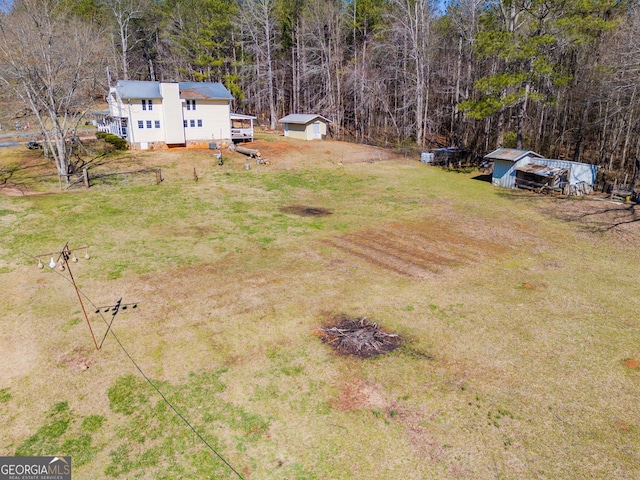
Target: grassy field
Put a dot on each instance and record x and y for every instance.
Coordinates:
(518, 316)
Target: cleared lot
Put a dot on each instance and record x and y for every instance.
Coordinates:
(519, 323)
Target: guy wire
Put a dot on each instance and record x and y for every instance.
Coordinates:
(150, 382)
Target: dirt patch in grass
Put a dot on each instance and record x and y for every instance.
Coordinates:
(632, 364)
(76, 359)
(422, 440)
(306, 211)
(15, 191)
(359, 337)
(290, 153)
(356, 394)
(417, 249)
(274, 149)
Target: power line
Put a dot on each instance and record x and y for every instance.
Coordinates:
(135, 364)
(172, 407)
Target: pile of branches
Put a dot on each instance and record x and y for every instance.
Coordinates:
(358, 337)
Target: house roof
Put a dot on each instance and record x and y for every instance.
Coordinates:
(204, 91)
(511, 154)
(302, 118)
(138, 89)
(188, 90)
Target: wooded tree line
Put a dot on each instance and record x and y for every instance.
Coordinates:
(556, 76)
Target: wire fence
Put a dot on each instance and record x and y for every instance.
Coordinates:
(87, 177)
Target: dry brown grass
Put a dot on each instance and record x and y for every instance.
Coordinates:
(494, 379)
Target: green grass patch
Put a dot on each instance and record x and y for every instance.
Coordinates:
(48, 437)
(5, 395)
(92, 423)
(160, 433)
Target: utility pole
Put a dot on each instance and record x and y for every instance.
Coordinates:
(114, 309)
(62, 263)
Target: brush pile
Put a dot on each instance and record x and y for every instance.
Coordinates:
(358, 337)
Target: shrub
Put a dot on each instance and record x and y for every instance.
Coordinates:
(116, 141)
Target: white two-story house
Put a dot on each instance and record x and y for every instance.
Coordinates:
(158, 114)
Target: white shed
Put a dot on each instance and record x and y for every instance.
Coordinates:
(305, 126)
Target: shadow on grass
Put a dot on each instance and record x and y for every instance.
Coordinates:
(592, 213)
(483, 177)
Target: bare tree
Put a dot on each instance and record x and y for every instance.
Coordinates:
(324, 31)
(260, 27)
(124, 12)
(410, 31)
(49, 60)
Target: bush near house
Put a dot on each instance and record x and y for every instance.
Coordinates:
(116, 141)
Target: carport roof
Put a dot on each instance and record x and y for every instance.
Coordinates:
(541, 170)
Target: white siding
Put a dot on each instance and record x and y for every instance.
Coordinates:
(215, 117)
(305, 132)
(136, 114)
(172, 128)
(115, 106)
(578, 172)
(296, 131)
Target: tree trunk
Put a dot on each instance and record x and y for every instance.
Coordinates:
(521, 117)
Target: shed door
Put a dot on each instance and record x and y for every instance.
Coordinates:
(316, 130)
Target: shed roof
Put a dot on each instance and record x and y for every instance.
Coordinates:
(189, 90)
(511, 154)
(541, 170)
(302, 118)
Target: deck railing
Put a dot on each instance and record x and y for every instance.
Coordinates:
(242, 133)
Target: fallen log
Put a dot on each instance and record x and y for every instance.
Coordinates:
(248, 151)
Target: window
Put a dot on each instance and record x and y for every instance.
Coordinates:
(200, 122)
(184, 122)
(144, 104)
(157, 123)
(150, 103)
(148, 123)
(140, 124)
(192, 123)
(191, 104)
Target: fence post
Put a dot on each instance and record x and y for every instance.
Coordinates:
(159, 176)
(85, 177)
(613, 189)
